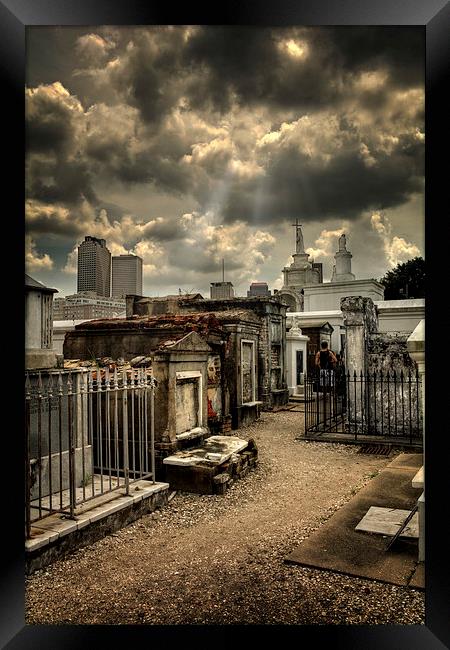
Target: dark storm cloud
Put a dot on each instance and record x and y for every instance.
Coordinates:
(150, 71)
(147, 167)
(163, 230)
(401, 49)
(248, 64)
(51, 115)
(60, 181)
(343, 188)
(183, 111)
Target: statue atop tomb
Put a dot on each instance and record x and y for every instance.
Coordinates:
(299, 244)
(342, 270)
(342, 243)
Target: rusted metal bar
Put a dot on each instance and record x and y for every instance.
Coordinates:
(60, 397)
(375, 401)
(116, 425)
(39, 445)
(410, 407)
(418, 388)
(133, 438)
(395, 402)
(126, 468)
(108, 425)
(49, 397)
(388, 381)
(98, 392)
(152, 426)
(145, 390)
(81, 431)
(27, 457)
(91, 424)
(72, 494)
(140, 427)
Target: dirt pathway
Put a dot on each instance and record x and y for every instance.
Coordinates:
(219, 559)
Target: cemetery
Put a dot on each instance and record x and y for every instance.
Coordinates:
(174, 399)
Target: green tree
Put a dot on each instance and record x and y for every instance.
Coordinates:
(406, 280)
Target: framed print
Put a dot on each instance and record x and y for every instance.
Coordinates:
(168, 153)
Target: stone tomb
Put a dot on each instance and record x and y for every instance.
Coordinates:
(181, 405)
(212, 467)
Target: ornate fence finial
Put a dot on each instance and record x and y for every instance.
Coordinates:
(60, 383)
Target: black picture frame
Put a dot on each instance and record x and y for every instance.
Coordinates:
(433, 15)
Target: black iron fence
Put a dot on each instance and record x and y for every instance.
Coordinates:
(382, 405)
(88, 432)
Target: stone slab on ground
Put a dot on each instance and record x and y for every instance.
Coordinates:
(418, 480)
(214, 451)
(337, 546)
(387, 521)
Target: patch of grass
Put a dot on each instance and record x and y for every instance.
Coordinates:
(86, 480)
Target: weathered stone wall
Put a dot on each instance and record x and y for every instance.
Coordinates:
(272, 384)
(90, 344)
(360, 320)
(387, 351)
(387, 396)
(394, 396)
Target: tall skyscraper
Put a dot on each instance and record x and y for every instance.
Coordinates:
(126, 275)
(94, 267)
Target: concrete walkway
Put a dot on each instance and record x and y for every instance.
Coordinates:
(336, 546)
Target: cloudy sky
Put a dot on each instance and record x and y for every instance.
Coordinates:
(186, 145)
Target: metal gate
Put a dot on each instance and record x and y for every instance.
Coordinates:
(87, 433)
(361, 407)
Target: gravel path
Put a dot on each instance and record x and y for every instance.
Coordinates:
(219, 559)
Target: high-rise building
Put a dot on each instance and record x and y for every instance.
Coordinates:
(126, 275)
(258, 289)
(94, 267)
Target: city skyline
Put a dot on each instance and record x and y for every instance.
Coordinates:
(189, 145)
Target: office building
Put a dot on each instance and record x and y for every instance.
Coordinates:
(86, 305)
(258, 289)
(94, 267)
(126, 275)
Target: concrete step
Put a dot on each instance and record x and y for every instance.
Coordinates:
(301, 398)
(55, 537)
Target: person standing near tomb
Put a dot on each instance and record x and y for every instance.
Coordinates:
(326, 361)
